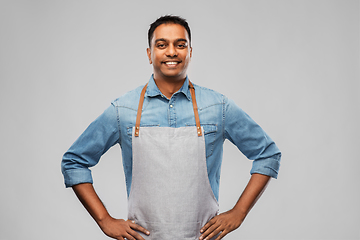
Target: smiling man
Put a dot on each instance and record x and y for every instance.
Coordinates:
(171, 134)
(169, 53)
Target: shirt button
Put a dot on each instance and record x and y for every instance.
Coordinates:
(171, 105)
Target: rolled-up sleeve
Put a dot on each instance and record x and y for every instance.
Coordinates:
(86, 151)
(251, 140)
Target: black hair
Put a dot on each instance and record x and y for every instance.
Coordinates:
(168, 19)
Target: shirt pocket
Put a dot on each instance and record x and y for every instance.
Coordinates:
(210, 131)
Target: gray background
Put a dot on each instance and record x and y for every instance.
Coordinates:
(292, 65)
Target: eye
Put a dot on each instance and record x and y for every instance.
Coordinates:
(182, 45)
(160, 45)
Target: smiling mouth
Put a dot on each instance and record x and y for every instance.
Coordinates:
(171, 64)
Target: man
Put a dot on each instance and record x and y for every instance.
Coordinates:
(171, 134)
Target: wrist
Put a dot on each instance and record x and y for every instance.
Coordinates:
(239, 212)
(101, 221)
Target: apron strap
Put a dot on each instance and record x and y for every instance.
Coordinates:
(196, 112)
(193, 98)
(138, 116)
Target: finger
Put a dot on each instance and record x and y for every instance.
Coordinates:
(139, 228)
(208, 231)
(129, 237)
(221, 235)
(135, 235)
(213, 233)
(207, 225)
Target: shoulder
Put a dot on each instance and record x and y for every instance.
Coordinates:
(207, 97)
(129, 100)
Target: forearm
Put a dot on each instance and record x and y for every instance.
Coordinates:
(251, 194)
(226, 222)
(114, 228)
(91, 201)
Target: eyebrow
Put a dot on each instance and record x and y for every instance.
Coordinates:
(164, 40)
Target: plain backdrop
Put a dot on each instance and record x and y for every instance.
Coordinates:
(292, 65)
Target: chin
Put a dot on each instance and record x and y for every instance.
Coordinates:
(176, 77)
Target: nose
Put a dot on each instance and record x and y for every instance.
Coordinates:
(171, 51)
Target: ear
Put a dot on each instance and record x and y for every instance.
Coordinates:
(190, 52)
(148, 51)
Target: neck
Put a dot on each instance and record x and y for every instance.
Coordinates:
(168, 88)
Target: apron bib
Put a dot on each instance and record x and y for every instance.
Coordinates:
(170, 192)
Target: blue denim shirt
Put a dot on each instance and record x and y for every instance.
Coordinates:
(220, 118)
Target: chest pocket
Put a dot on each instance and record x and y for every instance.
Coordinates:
(210, 137)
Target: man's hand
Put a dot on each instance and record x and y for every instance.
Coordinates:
(223, 223)
(121, 229)
(232, 219)
(114, 228)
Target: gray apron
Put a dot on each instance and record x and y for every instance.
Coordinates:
(170, 192)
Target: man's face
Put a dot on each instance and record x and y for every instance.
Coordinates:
(170, 52)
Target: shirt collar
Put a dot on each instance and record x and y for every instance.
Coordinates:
(152, 89)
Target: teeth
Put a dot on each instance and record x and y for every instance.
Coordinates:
(171, 63)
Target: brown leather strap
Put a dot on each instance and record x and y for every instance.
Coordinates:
(193, 98)
(138, 116)
(196, 112)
